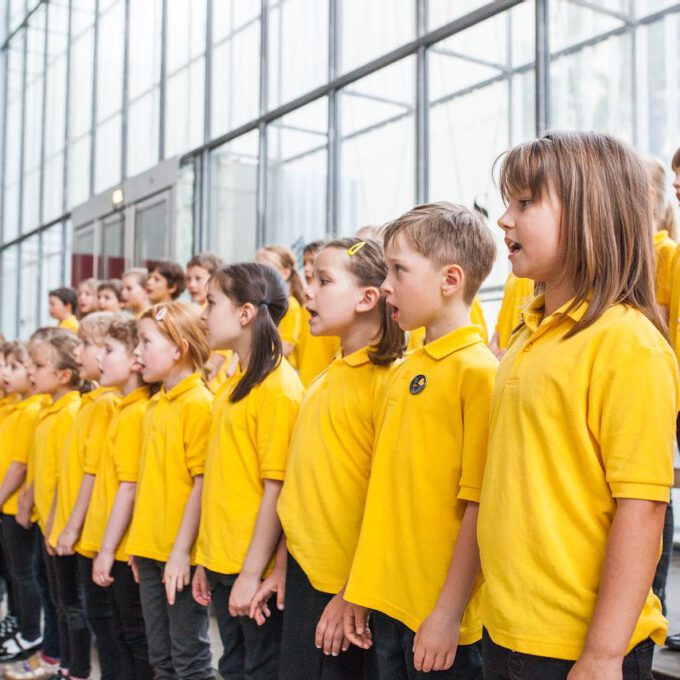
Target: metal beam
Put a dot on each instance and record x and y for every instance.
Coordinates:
(422, 117)
(124, 102)
(333, 153)
(261, 197)
(162, 88)
(95, 79)
(542, 67)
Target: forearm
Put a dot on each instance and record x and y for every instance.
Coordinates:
(188, 529)
(14, 478)
(77, 517)
(121, 515)
(630, 561)
(267, 531)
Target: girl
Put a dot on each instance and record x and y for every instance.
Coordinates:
(113, 496)
(133, 291)
(252, 422)
(63, 304)
(199, 269)
(110, 296)
(20, 546)
(87, 297)
(55, 372)
(322, 501)
(173, 349)
(582, 422)
(282, 259)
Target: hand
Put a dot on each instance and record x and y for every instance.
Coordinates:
(355, 623)
(199, 587)
(101, 568)
(330, 631)
(592, 667)
(66, 541)
(132, 563)
(436, 642)
(177, 574)
(50, 550)
(23, 516)
(274, 583)
(242, 593)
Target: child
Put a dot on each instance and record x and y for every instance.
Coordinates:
(282, 259)
(77, 466)
(580, 457)
(173, 349)
(199, 269)
(517, 294)
(313, 353)
(55, 371)
(133, 291)
(110, 296)
(113, 496)
(165, 282)
(416, 563)
(323, 497)
(253, 418)
(87, 297)
(63, 303)
(20, 546)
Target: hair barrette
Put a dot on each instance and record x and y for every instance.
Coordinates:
(160, 314)
(352, 250)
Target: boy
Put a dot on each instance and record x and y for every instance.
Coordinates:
(109, 296)
(133, 291)
(63, 303)
(417, 563)
(199, 269)
(166, 281)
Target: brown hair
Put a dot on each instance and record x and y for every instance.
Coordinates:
(662, 208)
(62, 345)
(314, 247)
(367, 265)
(675, 163)
(263, 287)
(95, 326)
(139, 273)
(123, 328)
(209, 261)
(178, 321)
(67, 296)
(286, 259)
(113, 285)
(172, 273)
(447, 233)
(17, 349)
(606, 216)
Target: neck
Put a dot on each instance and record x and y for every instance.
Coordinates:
(456, 315)
(131, 384)
(179, 373)
(363, 332)
(556, 295)
(242, 349)
(62, 391)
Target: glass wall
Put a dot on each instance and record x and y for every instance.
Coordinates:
(294, 119)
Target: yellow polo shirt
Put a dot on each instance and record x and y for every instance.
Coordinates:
(222, 374)
(289, 326)
(674, 306)
(664, 249)
(174, 453)
(322, 501)
(575, 424)
(119, 463)
(54, 428)
(313, 353)
(249, 443)
(428, 463)
(17, 432)
(81, 452)
(70, 323)
(517, 294)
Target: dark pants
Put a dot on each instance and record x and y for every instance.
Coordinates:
(177, 634)
(300, 659)
(21, 551)
(6, 581)
(74, 634)
(51, 630)
(250, 652)
(99, 614)
(502, 664)
(393, 642)
(129, 624)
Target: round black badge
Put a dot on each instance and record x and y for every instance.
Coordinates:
(417, 384)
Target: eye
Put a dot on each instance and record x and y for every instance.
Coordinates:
(524, 202)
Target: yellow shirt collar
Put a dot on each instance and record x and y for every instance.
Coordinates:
(42, 399)
(63, 402)
(357, 358)
(96, 393)
(458, 339)
(136, 394)
(191, 381)
(533, 314)
(660, 236)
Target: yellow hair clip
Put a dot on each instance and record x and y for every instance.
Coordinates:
(352, 250)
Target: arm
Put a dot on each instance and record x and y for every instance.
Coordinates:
(14, 478)
(177, 572)
(119, 520)
(26, 498)
(48, 526)
(71, 532)
(437, 638)
(274, 583)
(629, 564)
(262, 545)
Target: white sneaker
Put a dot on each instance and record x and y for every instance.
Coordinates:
(16, 646)
(33, 668)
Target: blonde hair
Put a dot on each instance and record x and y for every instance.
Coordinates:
(95, 326)
(447, 233)
(61, 344)
(606, 218)
(286, 260)
(179, 322)
(662, 208)
(138, 273)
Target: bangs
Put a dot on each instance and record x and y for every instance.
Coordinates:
(526, 167)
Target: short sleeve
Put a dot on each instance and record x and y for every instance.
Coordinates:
(197, 418)
(96, 433)
(128, 447)
(289, 326)
(476, 403)
(664, 259)
(23, 435)
(634, 409)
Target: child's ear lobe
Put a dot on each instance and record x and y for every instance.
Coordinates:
(453, 279)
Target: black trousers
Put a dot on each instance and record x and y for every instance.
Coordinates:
(300, 659)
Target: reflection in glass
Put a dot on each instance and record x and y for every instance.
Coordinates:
(112, 259)
(151, 231)
(52, 266)
(8, 313)
(28, 289)
(82, 258)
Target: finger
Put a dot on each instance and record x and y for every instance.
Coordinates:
(280, 598)
(448, 661)
(426, 665)
(345, 643)
(418, 656)
(338, 637)
(187, 578)
(320, 632)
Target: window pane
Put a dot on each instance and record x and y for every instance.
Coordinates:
(53, 259)
(297, 153)
(186, 32)
(110, 56)
(184, 213)
(184, 109)
(81, 69)
(377, 147)
(151, 231)
(142, 144)
(82, 259)
(107, 156)
(233, 198)
(28, 291)
(79, 171)
(571, 23)
(440, 12)
(296, 63)
(112, 262)
(9, 291)
(145, 46)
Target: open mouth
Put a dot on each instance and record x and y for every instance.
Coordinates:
(513, 246)
(312, 313)
(394, 311)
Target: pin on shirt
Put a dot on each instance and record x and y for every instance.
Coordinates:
(417, 384)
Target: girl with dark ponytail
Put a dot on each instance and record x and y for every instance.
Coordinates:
(330, 457)
(253, 418)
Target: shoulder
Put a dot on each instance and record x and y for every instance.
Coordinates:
(283, 380)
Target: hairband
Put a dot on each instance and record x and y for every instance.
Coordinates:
(160, 314)
(352, 250)
(263, 302)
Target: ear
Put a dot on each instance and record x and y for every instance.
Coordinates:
(172, 290)
(453, 280)
(181, 350)
(286, 272)
(247, 314)
(369, 299)
(65, 376)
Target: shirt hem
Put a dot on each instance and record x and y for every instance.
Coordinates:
(641, 492)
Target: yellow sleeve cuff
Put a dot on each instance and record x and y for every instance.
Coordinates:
(196, 471)
(468, 493)
(642, 492)
(278, 475)
(127, 477)
(90, 470)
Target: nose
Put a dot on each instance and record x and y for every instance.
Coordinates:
(386, 286)
(505, 221)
